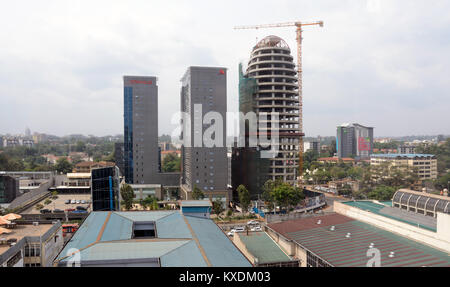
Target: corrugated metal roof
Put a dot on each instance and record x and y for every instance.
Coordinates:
(174, 244)
(172, 226)
(117, 228)
(187, 203)
(187, 255)
(335, 248)
(145, 215)
(127, 250)
(261, 246)
(412, 218)
(407, 155)
(87, 233)
(220, 251)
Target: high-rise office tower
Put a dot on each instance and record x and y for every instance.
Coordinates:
(118, 156)
(141, 150)
(354, 140)
(140, 129)
(203, 91)
(269, 85)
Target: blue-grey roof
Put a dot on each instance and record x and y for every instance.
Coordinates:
(181, 240)
(220, 251)
(408, 155)
(196, 203)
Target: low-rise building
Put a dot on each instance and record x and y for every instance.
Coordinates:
(150, 239)
(424, 165)
(87, 166)
(336, 240)
(336, 160)
(337, 185)
(262, 251)
(31, 245)
(410, 149)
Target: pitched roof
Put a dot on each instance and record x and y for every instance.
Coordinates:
(181, 240)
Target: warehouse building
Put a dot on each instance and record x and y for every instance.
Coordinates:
(150, 239)
(336, 240)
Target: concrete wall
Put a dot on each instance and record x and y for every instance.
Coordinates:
(288, 245)
(439, 239)
(239, 244)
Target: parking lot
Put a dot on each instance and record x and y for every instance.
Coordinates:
(59, 203)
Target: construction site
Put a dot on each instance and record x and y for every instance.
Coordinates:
(272, 83)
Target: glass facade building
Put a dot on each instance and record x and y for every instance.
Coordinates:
(128, 134)
(105, 188)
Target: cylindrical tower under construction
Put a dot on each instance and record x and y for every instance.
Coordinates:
(276, 90)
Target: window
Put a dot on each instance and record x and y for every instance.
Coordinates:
(144, 229)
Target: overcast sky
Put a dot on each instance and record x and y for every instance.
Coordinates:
(380, 63)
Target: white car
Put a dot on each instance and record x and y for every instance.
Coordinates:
(239, 229)
(252, 222)
(256, 228)
(231, 233)
(72, 201)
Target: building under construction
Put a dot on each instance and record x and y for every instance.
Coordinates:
(270, 85)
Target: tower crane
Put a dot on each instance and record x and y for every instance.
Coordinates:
(298, 31)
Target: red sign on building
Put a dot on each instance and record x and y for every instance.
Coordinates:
(363, 144)
(141, 82)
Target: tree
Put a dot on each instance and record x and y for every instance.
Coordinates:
(54, 194)
(217, 206)
(244, 197)
(63, 165)
(197, 194)
(127, 194)
(282, 194)
(171, 163)
(382, 192)
(150, 201)
(267, 194)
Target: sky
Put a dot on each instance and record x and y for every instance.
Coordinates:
(380, 63)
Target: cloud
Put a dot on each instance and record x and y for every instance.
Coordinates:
(380, 63)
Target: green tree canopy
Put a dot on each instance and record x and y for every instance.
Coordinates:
(217, 206)
(244, 197)
(197, 194)
(63, 165)
(127, 194)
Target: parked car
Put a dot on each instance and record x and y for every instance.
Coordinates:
(67, 201)
(45, 211)
(79, 211)
(252, 222)
(256, 228)
(231, 233)
(72, 201)
(70, 209)
(58, 211)
(77, 202)
(239, 229)
(81, 208)
(83, 201)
